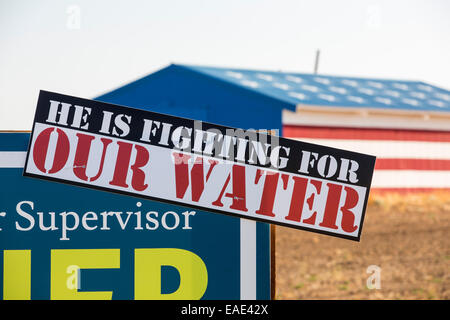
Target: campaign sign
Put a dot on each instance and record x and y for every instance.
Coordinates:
(201, 165)
(59, 241)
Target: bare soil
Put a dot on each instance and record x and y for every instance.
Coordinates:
(407, 237)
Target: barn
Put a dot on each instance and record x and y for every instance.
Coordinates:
(406, 124)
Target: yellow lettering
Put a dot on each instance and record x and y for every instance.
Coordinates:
(17, 274)
(147, 277)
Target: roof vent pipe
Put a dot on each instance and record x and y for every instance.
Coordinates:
(316, 63)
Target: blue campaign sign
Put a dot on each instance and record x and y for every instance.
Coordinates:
(60, 241)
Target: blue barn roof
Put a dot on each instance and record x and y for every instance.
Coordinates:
(323, 90)
(254, 99)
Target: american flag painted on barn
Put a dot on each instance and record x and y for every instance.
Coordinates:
(407, 160)
(406, 124)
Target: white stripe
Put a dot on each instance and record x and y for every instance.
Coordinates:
(389, 149)
(248, 259)
(411, 179)
(12, 159)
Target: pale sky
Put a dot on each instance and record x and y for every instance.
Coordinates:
(89, 47)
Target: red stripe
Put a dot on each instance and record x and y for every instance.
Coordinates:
(375, 191)
(411, 164)
(291, 131)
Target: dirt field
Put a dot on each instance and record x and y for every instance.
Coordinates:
(408, 237)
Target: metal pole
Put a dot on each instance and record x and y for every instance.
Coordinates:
(316, 64)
